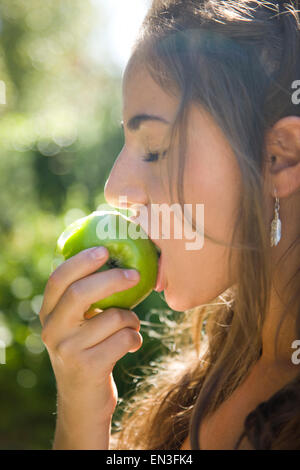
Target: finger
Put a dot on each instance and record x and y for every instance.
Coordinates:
(99, 328)
(105, 354)
(74, 268)
(70, 309)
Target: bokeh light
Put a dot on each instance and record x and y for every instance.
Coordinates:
(26, 378)
(21, 287)
(25, 310)
(36, 303)
(34, 344)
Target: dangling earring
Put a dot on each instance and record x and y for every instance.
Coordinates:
(276, 223)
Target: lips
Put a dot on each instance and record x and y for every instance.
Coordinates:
(157, 249)
(159, 281)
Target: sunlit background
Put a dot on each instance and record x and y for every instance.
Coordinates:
(123, 19)
(61, 65)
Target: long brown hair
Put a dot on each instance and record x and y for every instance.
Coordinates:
(237, 59)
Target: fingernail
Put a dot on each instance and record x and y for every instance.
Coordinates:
(131, 274)
(99, 252)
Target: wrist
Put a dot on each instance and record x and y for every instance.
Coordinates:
(77, 431)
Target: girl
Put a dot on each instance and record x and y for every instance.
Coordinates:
(211, 116)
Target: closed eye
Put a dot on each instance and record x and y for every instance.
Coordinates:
(153, 156)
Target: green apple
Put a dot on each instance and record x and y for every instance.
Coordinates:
(128, 246)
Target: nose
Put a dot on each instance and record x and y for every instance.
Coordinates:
(125, 198)
(124, 189)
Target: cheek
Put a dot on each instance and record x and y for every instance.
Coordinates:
(212, 178)
(195, 277)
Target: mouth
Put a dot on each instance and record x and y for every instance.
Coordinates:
(158, 250)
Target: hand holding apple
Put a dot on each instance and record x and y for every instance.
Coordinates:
(83, 351)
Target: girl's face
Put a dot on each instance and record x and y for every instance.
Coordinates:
(211, 178)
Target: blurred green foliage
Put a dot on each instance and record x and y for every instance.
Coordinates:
(59, 137)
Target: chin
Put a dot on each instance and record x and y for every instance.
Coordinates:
(179, 304)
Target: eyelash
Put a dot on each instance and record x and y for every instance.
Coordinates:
(153, 156)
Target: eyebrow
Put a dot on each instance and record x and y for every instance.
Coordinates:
(134, 123)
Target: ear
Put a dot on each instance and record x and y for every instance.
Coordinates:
(282, 146)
